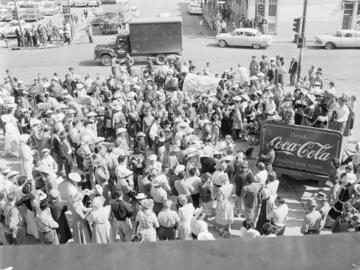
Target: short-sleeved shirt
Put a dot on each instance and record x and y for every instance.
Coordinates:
(168, 218)
(147, 219)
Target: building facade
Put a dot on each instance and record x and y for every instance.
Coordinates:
(324, 16)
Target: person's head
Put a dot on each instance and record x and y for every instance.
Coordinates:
(167, 204)
(121, 159)
(248, 224)
(261, 166)
(311, 204)
(192, 171)
(331, 84)
(271, 176)
(44, 204)
(243, 166)
(182, 175)
(250, 178)
(11, 198)
(279, 200)
(117, 195)
(249, 152)
(21, 180)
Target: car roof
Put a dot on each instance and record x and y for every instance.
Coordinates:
(252, 30)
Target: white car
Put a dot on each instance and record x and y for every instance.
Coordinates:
(50, 8)
(195, 8)
(9, 31)
(93, 3)
(80, 3)
(244, 37)
(342, 39)
(3, 26)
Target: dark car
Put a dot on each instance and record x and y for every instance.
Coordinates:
(104, 18)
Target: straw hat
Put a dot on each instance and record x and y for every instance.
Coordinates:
(45, 150)
(74, 177)
(140, 196)
(54, 194)
(120, 130)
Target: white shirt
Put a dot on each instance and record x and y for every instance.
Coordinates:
(261, 177)
(273, 187)
(249, 234)
(195, 181)
(278, 215)
(342, 113)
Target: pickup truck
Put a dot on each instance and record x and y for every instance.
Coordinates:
(157, 38)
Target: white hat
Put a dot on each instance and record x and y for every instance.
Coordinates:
(24, 138)
(46, 84)
(152, 157)
(91, 114)
(74, 177)
(140, 196)
(98, 202)
(12, 174)
(350, 178)
(253, 78)
(260, 74)
(190, 152)
(99, 139)
(311, 97)
(162, 139)
(120, 130)
(5, 118)
(178, 169)
(236, 98)
(79, 86)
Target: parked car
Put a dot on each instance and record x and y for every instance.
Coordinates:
(195, 8)
(244, 37)
(93, 3)
(9, 31)
(50, 8)
(105, 17)
(3, 26)
(5, 14)
(342, 39)
(31, 11)
(80, 3)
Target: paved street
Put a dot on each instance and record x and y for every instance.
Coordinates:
(338, 65)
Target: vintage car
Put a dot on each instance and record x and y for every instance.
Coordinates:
(244, 37)
(50, 8)
(194, 8)
(342, 39)
(9, 31)
(5, 14)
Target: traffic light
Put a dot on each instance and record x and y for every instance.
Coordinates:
(296, 25)
(300, 42)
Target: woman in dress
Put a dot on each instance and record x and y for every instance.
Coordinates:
(147, 222)
(98, 219)
(26, 156)
(12, 135)
(224, 216)
(186, 212)
(80, 227)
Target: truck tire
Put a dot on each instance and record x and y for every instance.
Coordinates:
(222, 43)
(106, 60)
(256, 46)
(329, 45)
(160, 59)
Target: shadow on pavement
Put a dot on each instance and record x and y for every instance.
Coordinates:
(88, 63)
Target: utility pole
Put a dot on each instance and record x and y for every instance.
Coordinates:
(303, 41)
(19, 21)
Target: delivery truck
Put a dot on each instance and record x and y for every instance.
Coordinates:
(157, 38)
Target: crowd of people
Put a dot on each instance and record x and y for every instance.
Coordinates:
(130, 156)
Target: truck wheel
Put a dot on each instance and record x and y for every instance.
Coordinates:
(106, 60)
(160, 59)
(256, 46)
(329, 45)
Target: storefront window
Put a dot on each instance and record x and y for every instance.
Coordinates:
(272, 8)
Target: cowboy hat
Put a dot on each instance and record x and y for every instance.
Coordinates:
(91, 114)
(74, 177)
(141, 134)
(45, 150)
(54, 194)
(236, 98)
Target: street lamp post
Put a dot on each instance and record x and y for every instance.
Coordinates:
(303, 40)
(19, 21)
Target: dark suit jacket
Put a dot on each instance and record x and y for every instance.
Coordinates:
(58, 210)
(64, 150)
(293, 67)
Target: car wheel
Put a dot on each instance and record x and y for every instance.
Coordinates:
(329, 45)
(256, 46)
(160, 59)
(222, 43)
(106, 60)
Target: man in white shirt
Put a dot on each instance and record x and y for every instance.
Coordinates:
(262, 175)
(331, 89)
(342, 114)
(278, 216)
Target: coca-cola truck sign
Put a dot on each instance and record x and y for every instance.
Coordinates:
(302, 148)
